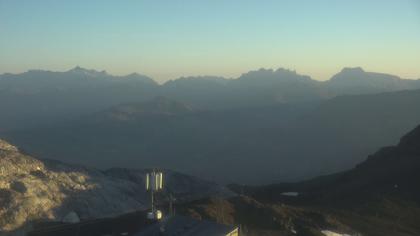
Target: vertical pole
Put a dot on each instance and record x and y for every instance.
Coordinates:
(152, 199)
(152, 189)
(170, 205)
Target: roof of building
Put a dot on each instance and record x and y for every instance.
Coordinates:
(185, 226)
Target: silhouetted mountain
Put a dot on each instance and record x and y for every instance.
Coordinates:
(135, 77)
(279, 86)
(357, 81)
(255, 88)
(205, 92)
(39, 97)
(37, 81)
(86, 72)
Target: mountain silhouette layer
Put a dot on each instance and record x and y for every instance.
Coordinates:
(278, 123)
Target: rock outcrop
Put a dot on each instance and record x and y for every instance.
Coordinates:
(33, 190)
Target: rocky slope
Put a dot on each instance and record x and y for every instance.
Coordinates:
(33, 190)
(390, 172)
(380, 196)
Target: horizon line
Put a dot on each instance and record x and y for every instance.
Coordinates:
(202, 75)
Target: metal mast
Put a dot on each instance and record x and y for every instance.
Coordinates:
(154, 183)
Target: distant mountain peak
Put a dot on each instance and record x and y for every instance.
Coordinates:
(281, 74)
(284, 70)
(352, 70)
(134, 74)
(89, 72)
(78, 69)
(138, 77)
(357, 81)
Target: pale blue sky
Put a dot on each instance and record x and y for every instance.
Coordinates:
(168, 39)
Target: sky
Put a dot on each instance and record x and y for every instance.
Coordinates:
(169, 39)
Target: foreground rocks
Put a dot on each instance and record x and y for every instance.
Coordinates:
(34, 190)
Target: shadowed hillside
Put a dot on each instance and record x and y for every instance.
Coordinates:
(378, 197)
(285, 142)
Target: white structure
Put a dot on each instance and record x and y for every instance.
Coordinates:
(154, 215)
(71, 217)
(154, 183)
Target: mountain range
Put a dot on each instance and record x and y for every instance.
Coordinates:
(277, 123)
(305, 141)
(41, 97)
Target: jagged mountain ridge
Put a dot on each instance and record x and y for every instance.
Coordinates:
(31, 189)
(348, 78)
(45, 96)
(36, 81)
(38, 97)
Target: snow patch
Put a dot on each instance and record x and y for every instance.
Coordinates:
(290, 194)
(331, 233)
